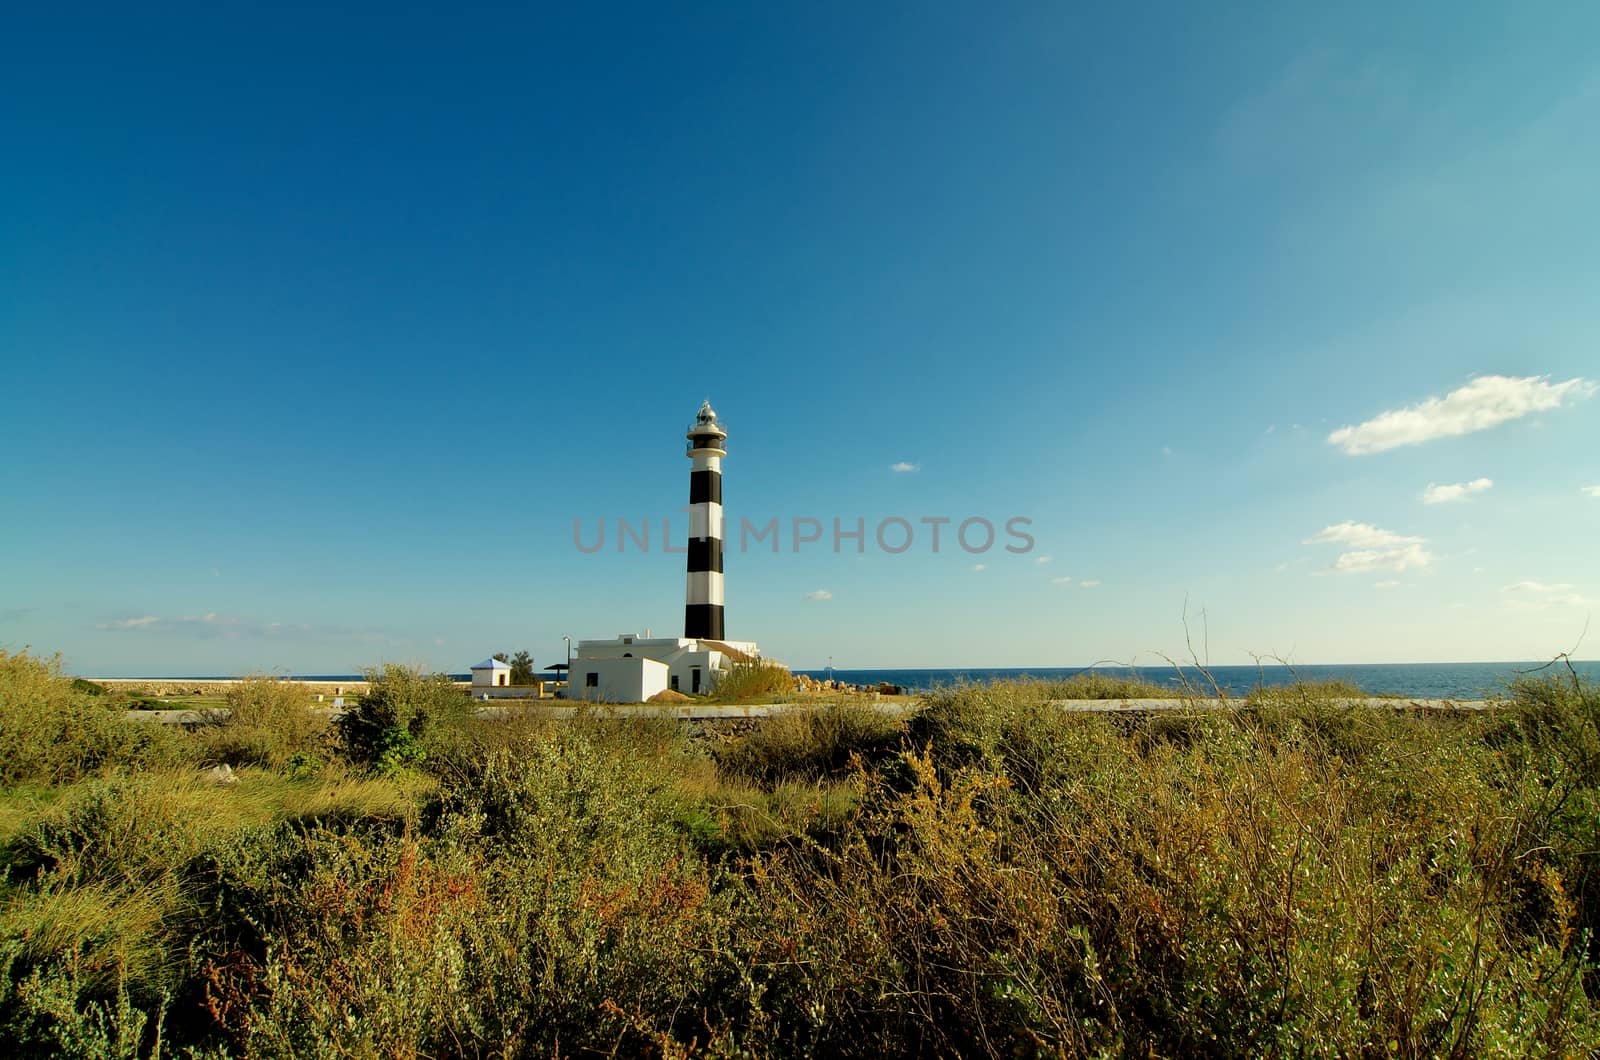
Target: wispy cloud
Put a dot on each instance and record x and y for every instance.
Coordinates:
(1532, 594)
(980, 566)
(1041, 560)
(1089, 583)
(904, 467)
(1389, 584)
(1455, 491)
(1531, 586)
(1593, 491)
(212, 625)
(1361, 535)
(145, 622)
(819, 594)
(1065, 579)
(1371, 548)
(1485, 402)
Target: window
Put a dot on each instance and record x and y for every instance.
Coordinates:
(591, 680)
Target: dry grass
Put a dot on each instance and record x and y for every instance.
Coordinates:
(990, 876)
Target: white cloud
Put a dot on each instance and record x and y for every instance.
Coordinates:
(1166, 450)
(1455, 491)
(1532, 595)
(819, 594)
(1482, 403)
(211, 625)
(904, 466)
(1361, 535)
(1537, 587)
(1088, 583)
(980, 566)
(1065, 579)
(1372, 548)
(1390, 584)
(143, 622)
(1593, 491)
(1041, 560)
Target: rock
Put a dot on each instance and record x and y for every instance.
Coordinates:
(222, 776)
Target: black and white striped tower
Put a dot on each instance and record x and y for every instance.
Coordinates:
(708, 444)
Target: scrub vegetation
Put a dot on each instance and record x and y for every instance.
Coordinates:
(985, 876)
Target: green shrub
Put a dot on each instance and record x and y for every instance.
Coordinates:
(399, 715)
(265, 723)
(996, 877)
(810, 744)
(45, 1015)
(55, 733)
(753, 678)
(1092, 684)
(547, 906)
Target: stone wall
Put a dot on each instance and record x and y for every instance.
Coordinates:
(178, 687)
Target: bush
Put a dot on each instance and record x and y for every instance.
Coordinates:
(753, 678)
(1092, 684)
(267, 722)
(808, 745)
(52, 732)
(401, 712)
(999, 878)
(547, 907)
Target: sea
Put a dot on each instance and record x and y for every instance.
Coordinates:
(1415, 680)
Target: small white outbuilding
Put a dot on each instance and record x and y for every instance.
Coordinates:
(630, 679)
(491, 673)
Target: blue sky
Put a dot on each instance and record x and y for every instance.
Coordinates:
(320, 328)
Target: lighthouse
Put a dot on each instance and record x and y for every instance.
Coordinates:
(708, 444)
(629, 668)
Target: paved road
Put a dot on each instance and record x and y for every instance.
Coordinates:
(712, 711)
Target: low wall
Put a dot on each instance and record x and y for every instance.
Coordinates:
(174, 686)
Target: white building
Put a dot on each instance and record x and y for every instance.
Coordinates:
(629, 668)
(619, 680)
(491, 679)
(491, 673)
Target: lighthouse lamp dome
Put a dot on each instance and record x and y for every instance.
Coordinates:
(707, 432)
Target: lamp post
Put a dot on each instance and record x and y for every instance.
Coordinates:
(569, 662)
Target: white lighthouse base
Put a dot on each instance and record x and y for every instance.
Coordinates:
(630, 669)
